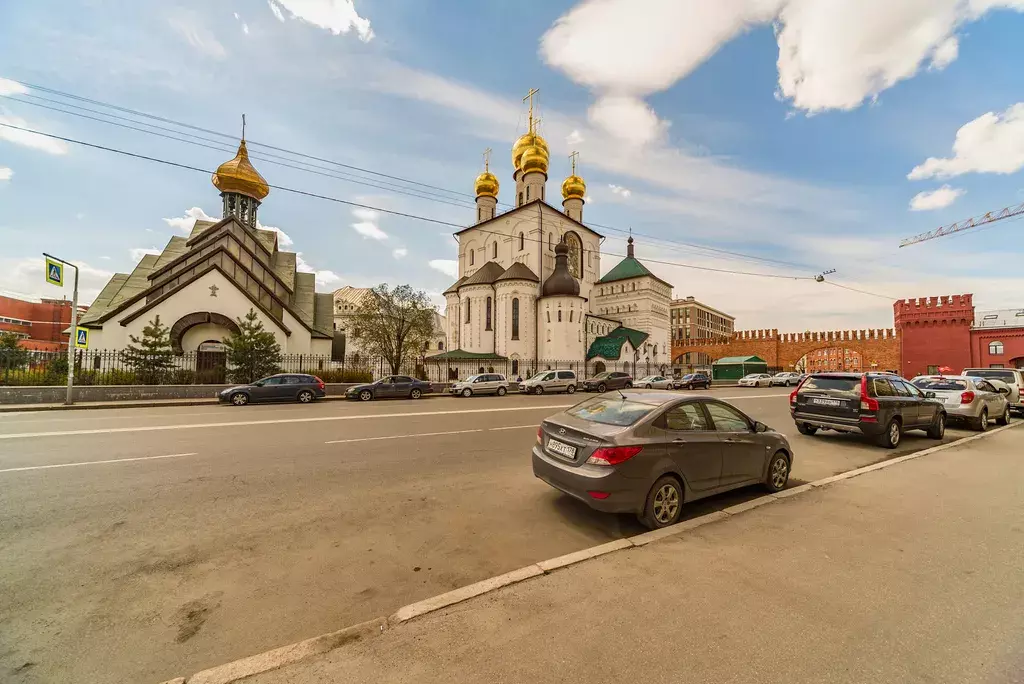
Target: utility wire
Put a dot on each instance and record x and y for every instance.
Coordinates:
(865, 292)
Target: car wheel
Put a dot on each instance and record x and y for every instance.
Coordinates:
(239, 398)
(365, 395)
(647, 386)
(664, 503)
(602, 388)
(538, 390)
(1005, 418)
(938, 428)
(305, 396)
(629, 385)
(778, 473)
(571, 389)
(467, 392)
(806, 429)
(501, 391)
(416, 393)
(982, 423)
(890, 439)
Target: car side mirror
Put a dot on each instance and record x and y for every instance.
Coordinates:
(1004, 390)
(930, 395)
(760, 427)
(258, 384)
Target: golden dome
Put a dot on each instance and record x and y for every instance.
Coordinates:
(240, 176)
(573, 187)
(486, 185)
(527, 140)
(534, 159)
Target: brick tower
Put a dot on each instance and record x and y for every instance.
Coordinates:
(934, 331)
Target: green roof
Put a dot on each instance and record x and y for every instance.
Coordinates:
(626, 269)
(610, 346)
(725, 360)
(458, 354)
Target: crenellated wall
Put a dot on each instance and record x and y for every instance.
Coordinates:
(936, 332)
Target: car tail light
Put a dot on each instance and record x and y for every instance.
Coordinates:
(967, 397)
(609, 456)
(792, 397)
(540, 436)
(866, 402)
(599, 495)
(319, 382)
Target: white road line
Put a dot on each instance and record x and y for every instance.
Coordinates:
(516, 427)
(422, 434)
(88, 463)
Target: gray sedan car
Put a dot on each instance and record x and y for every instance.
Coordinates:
(968, 399)
(647, 452)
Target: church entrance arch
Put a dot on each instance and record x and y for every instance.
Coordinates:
(211, 362)
(599, 367)
(189, 321)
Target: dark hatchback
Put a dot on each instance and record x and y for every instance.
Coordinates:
(282, 387)
(602, 382)
(391, 387)
(647, 452)
(879, 405)
(693, 381)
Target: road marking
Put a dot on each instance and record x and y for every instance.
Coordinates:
(422, 434)
(88, 463)
(516, 427)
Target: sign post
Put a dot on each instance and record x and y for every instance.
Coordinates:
(55, 275)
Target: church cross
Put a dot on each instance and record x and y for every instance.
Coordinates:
(243, 127)
(529, 96)
(573, 157)
(213, 290)
(487, 159)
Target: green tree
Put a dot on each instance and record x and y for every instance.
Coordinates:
(151, 357)
(12, 355)
(394, 323)
(253, 352)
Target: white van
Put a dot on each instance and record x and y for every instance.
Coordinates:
(1013, 377)
(550, 381)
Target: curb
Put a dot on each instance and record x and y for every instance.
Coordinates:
(271, 660)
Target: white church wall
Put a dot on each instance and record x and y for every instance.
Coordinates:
(475, 337)
(526, 292)
(560, 327)
(206, 332)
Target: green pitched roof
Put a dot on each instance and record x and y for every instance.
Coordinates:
(739, 359)
(100, 305)
(458, 354)
(323, 313)
(610, 346)
(625, 269)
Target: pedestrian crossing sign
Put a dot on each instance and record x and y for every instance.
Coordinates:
(54, 272)
(82, 338)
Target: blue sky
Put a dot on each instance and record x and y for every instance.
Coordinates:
(801, 131)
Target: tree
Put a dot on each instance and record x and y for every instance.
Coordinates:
(12, 355)
(150, 357)
(253, 352)
(394, 323)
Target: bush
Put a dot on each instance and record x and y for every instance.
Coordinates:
(344, 375)
(116, 377)
(182, 376)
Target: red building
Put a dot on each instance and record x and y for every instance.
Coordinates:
(39, 323)
(944, 331)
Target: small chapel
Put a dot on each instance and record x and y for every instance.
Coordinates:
(530, 294)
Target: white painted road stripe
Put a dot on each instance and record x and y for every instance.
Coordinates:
(422, 434)
(88, 463)
(517, 427)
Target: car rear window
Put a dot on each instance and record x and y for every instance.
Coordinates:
(1007, 376)
(611, 411)
(940, 384)
(851, 385)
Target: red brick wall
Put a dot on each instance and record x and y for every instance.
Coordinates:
(1013, 347)
(935, 331)
(48, 318)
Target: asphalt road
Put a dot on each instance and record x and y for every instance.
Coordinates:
(218, 532)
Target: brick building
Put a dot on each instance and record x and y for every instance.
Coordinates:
(40, 322)
(690, 319)
(831, 359)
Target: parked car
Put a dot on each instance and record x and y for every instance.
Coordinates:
(650, 452)
(484, 383)
(281, 387)
(969, 399)
(879, 405)
(550, 381)
(655, 382)
(693, 381)
(390, 387)
(1014, 379)
(756, 380)
(784, 379)
(602, 382)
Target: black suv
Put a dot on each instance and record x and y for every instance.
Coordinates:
(693, 381)
(602, 382)
(879, 405)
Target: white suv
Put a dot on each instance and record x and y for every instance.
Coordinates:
(484, 383)
(1013, 377)
(550, 381)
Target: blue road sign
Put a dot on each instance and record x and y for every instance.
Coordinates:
(82, 338)
(54, 272)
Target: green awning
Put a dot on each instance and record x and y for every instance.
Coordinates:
(459, 355)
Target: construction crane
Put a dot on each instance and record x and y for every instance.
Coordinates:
(988, 217)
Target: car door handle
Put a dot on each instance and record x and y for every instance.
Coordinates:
(731, 440)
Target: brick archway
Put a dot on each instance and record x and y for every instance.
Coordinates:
(878, 348)
(183, 324)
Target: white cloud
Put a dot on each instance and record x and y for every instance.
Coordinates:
(5, 173)
(24, 276)
(105, 258)
(324, 278)
(186, 223)
(449, 267)
(992, 143)
(9, 87)
(367, 224)
(136, 253)
(236, 16)
(574, 137)
(400, 253)
(198, 36)
(245, 29)
(935, 199)
(337, 16)
(26, 139)
(620, 191)
(284, 241)
(588, 199)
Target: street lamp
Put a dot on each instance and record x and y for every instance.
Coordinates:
(73, 337)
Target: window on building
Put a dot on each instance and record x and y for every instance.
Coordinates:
(634, 287)
(468, 308)
(551, 241)
(471, 259)
(480, 214)
(522, 242)
(440, 346)
(515, 319)
(549, 334)
(494, 251)
(995, 348)
(570, 316)
(559, 315)
(527, 193)
(549, 315)
(487, 319)
(520, 199)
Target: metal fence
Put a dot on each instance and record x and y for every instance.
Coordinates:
(444, 370)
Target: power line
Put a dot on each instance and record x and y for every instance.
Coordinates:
(864, 292)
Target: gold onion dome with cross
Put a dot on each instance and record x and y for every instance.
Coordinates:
(573, 187)
(239, 176)
(530, 152)
(486, 184)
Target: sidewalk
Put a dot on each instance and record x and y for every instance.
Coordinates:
(911, 573)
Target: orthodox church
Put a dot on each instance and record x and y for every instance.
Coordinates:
(530, 291)
(200, 284)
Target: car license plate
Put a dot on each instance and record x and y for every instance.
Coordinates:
(826, 402)
(561, 448)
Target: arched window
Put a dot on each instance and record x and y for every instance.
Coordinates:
(527, 193)
(494, 251)
(487, 319)
(468, 309)
(634, 284)
(549, 334)
(655, 350)
(551, 240)
(542, 192)
(559, 315)
(549, 315)
(995, 348)
(440, 346)
(522, 242)
(471, 258)
(515, 366)
(520, 199)
(515, 319)
(572, 240)
(570, 315)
